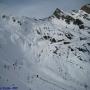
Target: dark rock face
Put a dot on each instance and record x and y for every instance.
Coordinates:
(78, 22)
(68, 19)
(58, 13)
(86, 8)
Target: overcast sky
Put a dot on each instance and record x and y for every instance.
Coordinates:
(38, 8)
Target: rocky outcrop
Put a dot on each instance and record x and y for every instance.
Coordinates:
(68, 19)
(86, 8)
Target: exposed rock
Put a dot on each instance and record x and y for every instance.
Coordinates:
(86, 8)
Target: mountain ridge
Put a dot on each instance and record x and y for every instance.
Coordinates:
(86, 8)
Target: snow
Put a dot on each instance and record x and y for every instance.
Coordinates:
(46, 54)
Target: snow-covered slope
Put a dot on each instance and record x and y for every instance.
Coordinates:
(47, 54)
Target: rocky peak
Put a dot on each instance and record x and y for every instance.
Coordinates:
(86, 8)
(58, 13)
(68, 18)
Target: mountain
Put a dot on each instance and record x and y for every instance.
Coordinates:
(86, 8)
(46, 54)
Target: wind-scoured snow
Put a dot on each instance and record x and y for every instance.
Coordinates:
(46, 54)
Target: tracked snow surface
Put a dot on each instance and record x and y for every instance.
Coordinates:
(45, 54)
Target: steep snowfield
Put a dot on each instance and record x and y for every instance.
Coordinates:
(45, 54)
